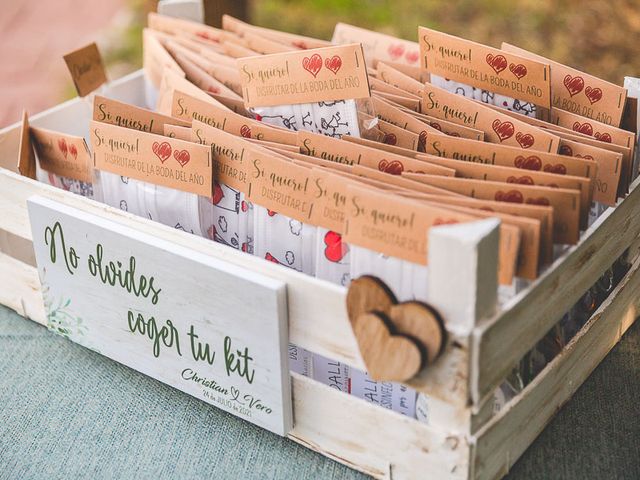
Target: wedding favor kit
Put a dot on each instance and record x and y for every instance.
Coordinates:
(406, 256)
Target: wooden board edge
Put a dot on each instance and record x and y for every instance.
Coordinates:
(499, 343)
(22, 292)
(507, 435)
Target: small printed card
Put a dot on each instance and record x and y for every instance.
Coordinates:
(62, 154)
(323, 74)
(87, 69)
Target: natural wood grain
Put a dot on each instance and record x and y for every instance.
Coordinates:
(500, 342)
(20, 289)
(388, 356)
(368, 294)
(500, 443)
(423, 324)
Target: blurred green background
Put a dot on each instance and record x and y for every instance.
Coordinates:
(601, 37)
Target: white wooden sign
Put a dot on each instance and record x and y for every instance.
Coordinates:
(211, 329)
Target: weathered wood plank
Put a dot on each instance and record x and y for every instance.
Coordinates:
(371, 439)
(499, 343)
(20, 289)
(501, 442)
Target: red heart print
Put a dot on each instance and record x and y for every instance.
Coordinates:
(524, 180)
(182, 156)
(538, 201)
(271, 213)
(525, 140)
(73, 151)
(518, 70)
(436, 125)
(244, 206)
(558, 168)
(412, 57)
(245, 131)
(273, 259)
(531, 162)
(312, 64)
(390, 139)
(333, 64)
(218, 194)
(565, 150)
(395, 51)
(512, 196)
(593, 94)
(422, 139)
(603, 137)
(497, 62)
(62, 145)
(574, 85)
(586, 157)
(504, 130)
(585, 128)
(335, 249)
(162, 150)
(212, 89)
(394, 167)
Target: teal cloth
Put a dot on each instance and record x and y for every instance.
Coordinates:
(67, 412)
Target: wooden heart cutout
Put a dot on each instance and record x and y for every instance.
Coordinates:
(417, 322)
(388, 356)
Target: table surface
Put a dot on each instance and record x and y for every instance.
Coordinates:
(67, 412)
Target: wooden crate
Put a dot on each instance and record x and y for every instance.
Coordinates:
(463, 438)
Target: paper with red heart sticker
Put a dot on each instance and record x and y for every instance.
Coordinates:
(523, 180)
(182, 156)
(333, 64)
(394, 167)
(412, 57)
(335, 249)
(525, 140)
(558, 168)
(218, 194)
(532, 162)
(603, 137)
(585, 128)
(504, 130)
(245, 131)
(61, 154)
(390, 139)
(62, 146)
(593, 94)
(162, 150)
(519, 70)
(312, 64)
(497, 62)
(512, 196)
(395, 51)
(574, 85)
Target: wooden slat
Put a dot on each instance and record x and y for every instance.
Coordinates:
(498, 344)
(501, 442)
(20, 289)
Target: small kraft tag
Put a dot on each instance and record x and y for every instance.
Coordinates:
(61, 154)
(156, 159)
(580, 93)
(86, 68)
(110, 111)
(322, 74)
(485, 67)
(393, 225)
(498, 127)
